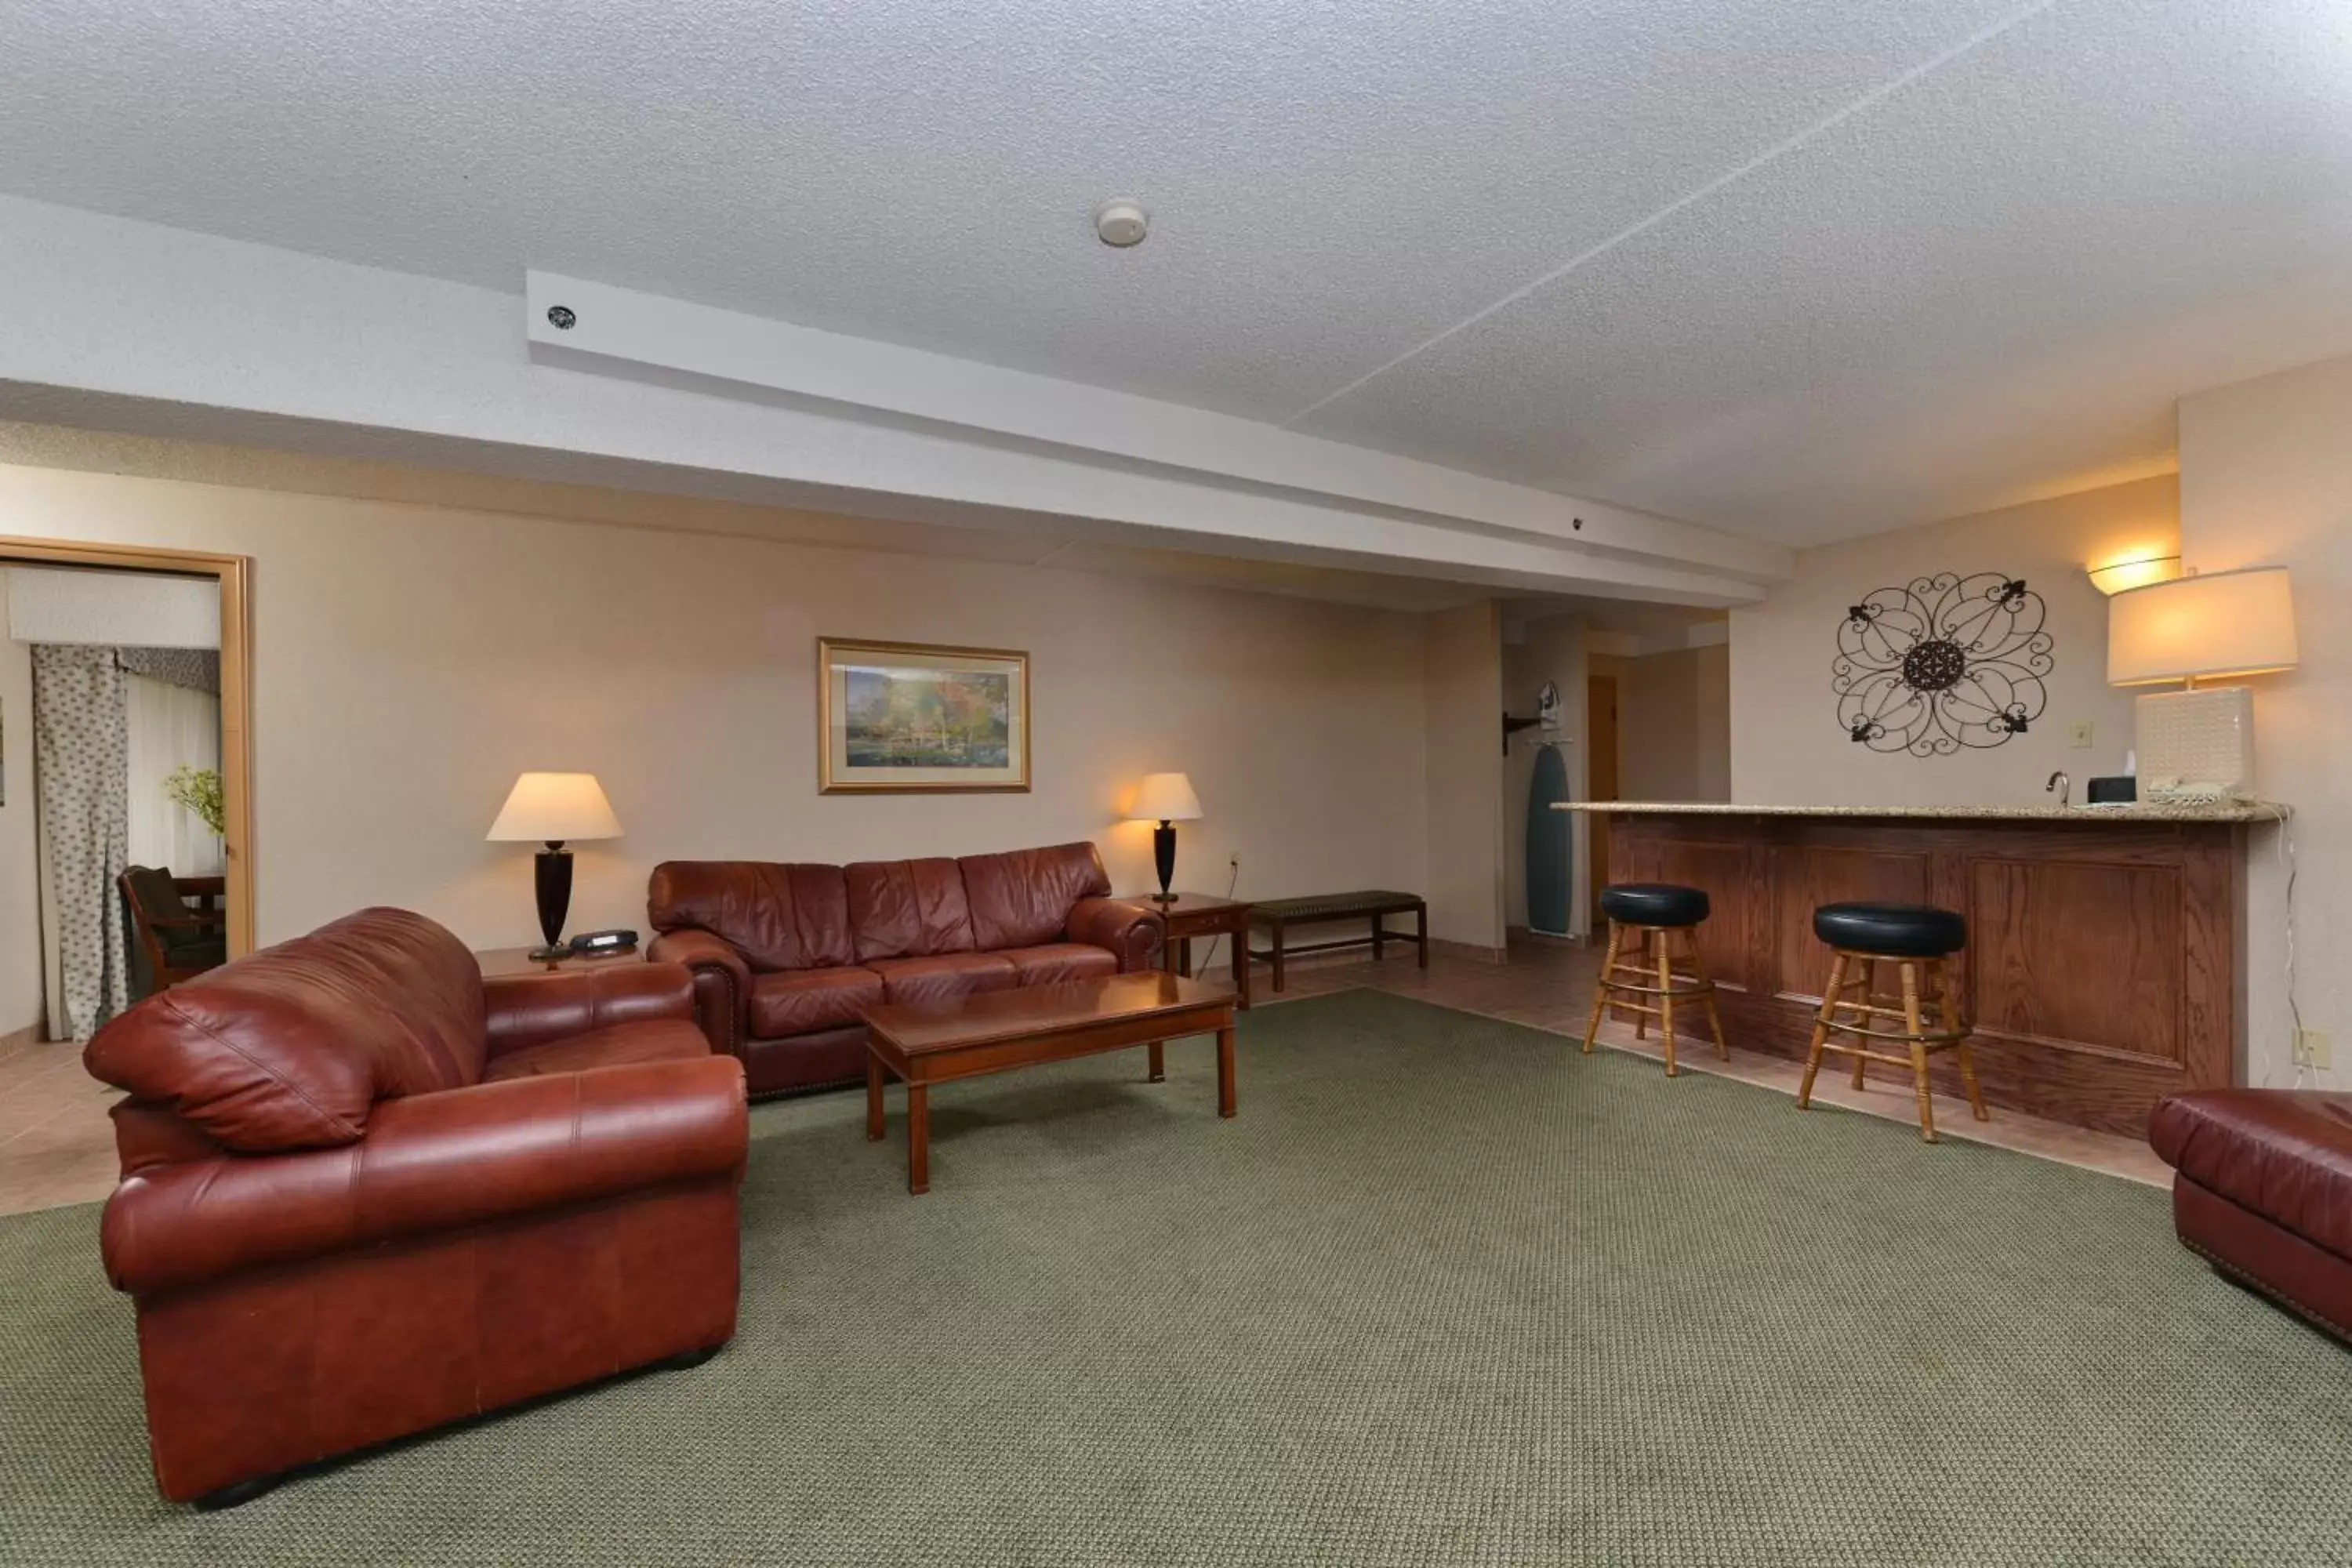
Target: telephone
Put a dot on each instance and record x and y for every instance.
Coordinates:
(598, 944)
(2184, 792)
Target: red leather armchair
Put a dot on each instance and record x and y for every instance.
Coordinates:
(364, 1192)
(2262, 1189)
(788, 959)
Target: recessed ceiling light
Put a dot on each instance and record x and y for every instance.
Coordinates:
(1122, 222)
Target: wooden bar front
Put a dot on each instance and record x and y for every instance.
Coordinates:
(2105, 960)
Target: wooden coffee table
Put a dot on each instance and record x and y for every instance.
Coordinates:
(924, 1043)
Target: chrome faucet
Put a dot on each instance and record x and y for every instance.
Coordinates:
(2059, 785)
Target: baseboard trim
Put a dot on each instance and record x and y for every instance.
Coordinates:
(1477, 951)
(17, 1039)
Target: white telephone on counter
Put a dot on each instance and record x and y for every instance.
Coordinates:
(2188, 791)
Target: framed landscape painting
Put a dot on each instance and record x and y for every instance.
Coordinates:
(913, 716)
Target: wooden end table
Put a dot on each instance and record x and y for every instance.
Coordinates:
(497, 961)
(1203, 914)
(924, 1043)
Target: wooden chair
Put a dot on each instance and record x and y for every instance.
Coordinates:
(172, 940)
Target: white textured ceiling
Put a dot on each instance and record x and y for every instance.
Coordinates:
(1797, 267)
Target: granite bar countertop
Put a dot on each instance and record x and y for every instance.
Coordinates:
(2137, 811)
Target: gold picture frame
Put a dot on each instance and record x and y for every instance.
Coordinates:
(896, 717)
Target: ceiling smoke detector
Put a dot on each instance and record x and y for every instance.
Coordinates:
(1121, 223)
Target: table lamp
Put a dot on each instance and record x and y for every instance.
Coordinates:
(2200, 627)
(553, 809)
(1166, 799)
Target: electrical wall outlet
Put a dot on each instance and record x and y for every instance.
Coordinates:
(2082, 735)
(2311, 1049)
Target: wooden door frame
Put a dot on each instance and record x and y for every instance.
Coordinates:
(234, 573)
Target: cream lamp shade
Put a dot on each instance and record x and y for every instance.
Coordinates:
(555, 808)
(2220, 623)
(1164, 797)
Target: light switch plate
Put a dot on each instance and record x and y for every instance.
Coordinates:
(2311, 1049)
(2082, 735)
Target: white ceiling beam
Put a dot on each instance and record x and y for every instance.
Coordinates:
(608, 327)
(133, 325)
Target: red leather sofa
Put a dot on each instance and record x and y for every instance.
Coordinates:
(788, 959)
(365, 1191)
(2262, 1188)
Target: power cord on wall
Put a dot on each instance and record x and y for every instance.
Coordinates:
(2294, 1009)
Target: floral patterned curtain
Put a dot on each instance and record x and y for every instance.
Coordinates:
(80, 738)
(197, 668)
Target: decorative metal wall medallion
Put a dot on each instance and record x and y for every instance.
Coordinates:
(1942, 663)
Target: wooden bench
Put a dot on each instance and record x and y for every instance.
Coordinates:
(1278, 915)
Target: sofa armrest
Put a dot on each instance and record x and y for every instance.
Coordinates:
(722, 984)
(532, 1009)
(1132, 931)
(432, 1162)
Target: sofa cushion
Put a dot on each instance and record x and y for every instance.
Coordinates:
(944, 975)
(2284, 1154)
(1023, 899)
(778, 917)
(906, 909)
(287, 1048)
(1058, 962)
(795, 1003)
(647, 1040)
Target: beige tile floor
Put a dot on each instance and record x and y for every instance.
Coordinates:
(57, 1145)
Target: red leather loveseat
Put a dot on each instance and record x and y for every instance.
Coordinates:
(2262, 1189)
(788, 959)
(365, 1191)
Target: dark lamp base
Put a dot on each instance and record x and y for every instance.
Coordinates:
(550, 955)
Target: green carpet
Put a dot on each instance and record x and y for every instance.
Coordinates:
(1445, 1292)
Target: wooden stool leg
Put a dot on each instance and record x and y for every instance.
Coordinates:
(1665, 946)
(1912, 1024)
(1821, 1029)
(1869, 990)
(1601, 991)
(1641, 964)
(1948, 1009)
(1698, 967)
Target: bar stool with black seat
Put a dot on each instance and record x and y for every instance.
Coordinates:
(1656, 913)
(1918, 939)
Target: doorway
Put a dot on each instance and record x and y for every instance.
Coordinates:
(125, 816)
(1601, 775)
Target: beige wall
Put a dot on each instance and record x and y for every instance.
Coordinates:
(1548, 649)
(2266, 480)
(1786, 745)
(410, 660)
(1674, 723)
(20, 905)
(1463, 695)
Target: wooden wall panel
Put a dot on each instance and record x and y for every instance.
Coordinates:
(1811, 874)
(2040, 929)
(1721, 869)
